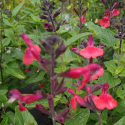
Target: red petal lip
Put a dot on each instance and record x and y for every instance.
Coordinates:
(91, 52)
(105, 101)
(32, 52)
(100, 72)
(104, 22)
(82, 19)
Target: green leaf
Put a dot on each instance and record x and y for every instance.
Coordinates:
(21, 118)
(58, 123)
(18, 54)
(119, 91)
(3, 98)
(121, 121)
(6, 22)
(114, 82)
(36, 78)
(3, 91)
(123, 47)
(10, 34)
(105, 77)
(13, 70)
(104, 115)
(106, 36)
(68, 84)
(119, 69)
(111, 67)
(5, 42)
(9, 115)
(4, 121)
(43, 102)
(68, 56)
(76, 37)
(122, 73)
(17, 8)
(7, 57)
(80, 118)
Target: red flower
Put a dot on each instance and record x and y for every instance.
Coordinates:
(82, 19)
(32, 52)
(41, 85)
(86, 76)
(27, 70)
(77, 72)
(75, 99)
(27, 98)
(115, 12)
(104, 21)
(100, 72)
(105, 100)
(91, 51)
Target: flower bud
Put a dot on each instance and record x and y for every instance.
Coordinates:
(76, 11)
(42, 109)
(102, 46)
(105, 3)
(61, 48)
(96, 87)
(57, 13)
(85, 43)
(76, 50)
(62, 90)
(43, 17)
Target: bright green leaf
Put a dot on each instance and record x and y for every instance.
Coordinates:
(80, 118)
(4, 121)
(119, 69)
(76, 37)
(6, 22)
(10, 34)
(21, 118)
(17, 8)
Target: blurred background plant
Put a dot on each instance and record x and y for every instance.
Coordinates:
(19, 16)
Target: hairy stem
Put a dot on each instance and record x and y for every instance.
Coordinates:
(1, 42)
(52, 91)
(99, 119)
(120, 52)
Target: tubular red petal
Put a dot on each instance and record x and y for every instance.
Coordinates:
(71, 91)
(79, 100)
(31, 98)
(85, 81)
(27, 40)
(73, 103)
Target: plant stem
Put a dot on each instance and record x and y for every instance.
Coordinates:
(52, 91)
(120, 52)
(1, 42)
(99, 119)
